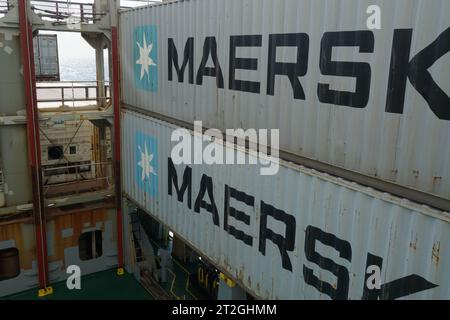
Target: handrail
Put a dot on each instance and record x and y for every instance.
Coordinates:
(73, 91)
(80, 81)
(102, 168)
(5, 6)
(77, 166)
(63, 10)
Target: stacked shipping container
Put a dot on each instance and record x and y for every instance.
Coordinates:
(300, 234)
(372, 104)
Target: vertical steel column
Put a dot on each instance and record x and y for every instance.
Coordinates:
(34, 145)
(100, 71)
(117, 144)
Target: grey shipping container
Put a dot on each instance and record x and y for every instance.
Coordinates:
(46, 58)
(299, 234)
(372, 106)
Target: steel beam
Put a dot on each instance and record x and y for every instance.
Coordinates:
(26, 38)
(117, 145)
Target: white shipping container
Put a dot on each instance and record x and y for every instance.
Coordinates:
(46, 58)
(299, 234)
(375, 102)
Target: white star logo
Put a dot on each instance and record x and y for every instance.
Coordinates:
(144, 57)
(146, 164)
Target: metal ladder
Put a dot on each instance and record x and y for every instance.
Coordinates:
(136, 230)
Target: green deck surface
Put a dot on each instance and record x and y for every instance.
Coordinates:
(106, 285)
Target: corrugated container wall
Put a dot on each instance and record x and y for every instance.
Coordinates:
(384, 113)
(299, 234)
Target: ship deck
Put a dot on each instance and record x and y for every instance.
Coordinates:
(105, 285)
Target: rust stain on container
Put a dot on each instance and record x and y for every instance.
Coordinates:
(356, 221)
(241, 274)
(435, 252)
(413, 242)
(371, 140)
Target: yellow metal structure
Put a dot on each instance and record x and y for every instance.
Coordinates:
(227, 280)
(45, 292)
(120, 272)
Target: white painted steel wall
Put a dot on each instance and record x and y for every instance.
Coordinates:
(67, 134)
(411, 149)
(410, 239)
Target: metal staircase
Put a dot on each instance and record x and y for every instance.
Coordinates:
(146, 279)
(137, 238)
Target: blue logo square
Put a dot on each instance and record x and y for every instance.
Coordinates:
(146, 163)
(145, 54)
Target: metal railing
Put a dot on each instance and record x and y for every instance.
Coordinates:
(62, 11)
(59, 11)
(78, 178)
(70, 93)
(5, 6)
(139, 3)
